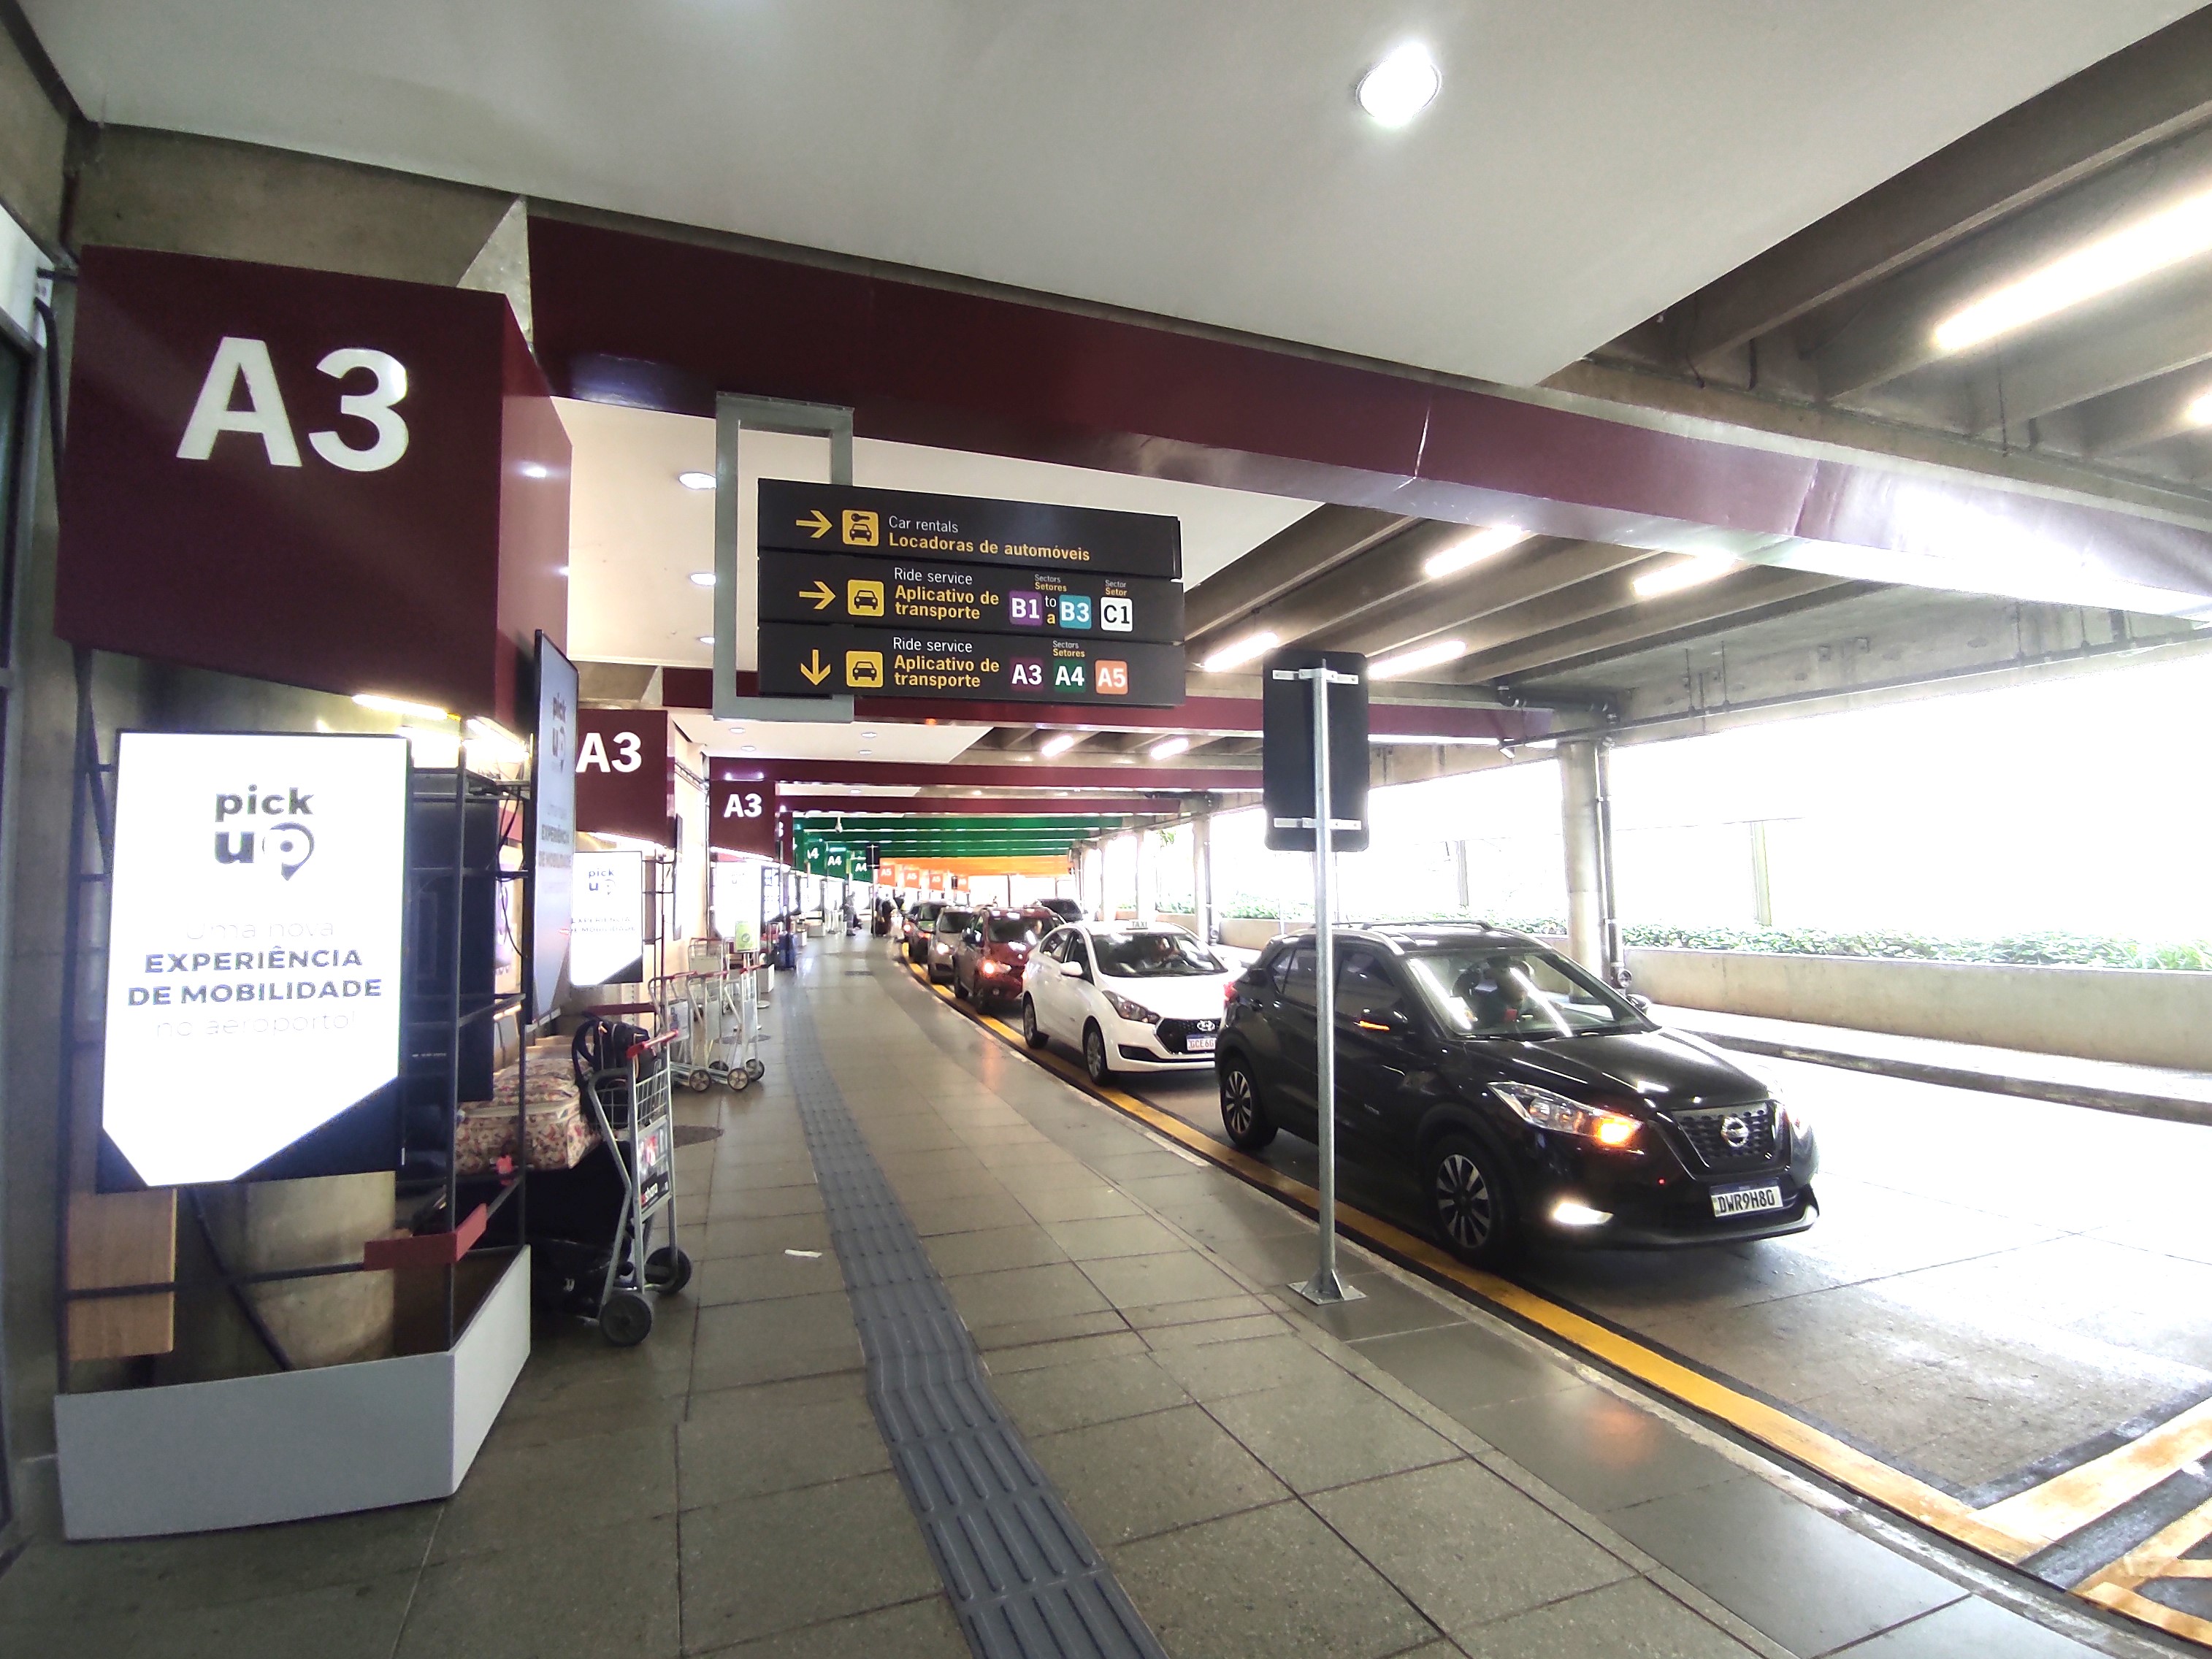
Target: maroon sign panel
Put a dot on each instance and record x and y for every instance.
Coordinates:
(741, 816)
(623, 774)
(337, 482)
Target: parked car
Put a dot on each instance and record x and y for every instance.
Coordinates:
(945, 931)
(1066, 909)
(1530, 1100)
(988, 960)
(914, 930)
(1126, 998)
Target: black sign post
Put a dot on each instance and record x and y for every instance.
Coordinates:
(1332, 724)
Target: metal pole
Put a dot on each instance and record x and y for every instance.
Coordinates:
(1325, 1285)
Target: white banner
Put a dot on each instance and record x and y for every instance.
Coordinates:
(253, 943)
(606, 919)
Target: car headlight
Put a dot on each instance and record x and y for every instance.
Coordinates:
(992, 967)
(944, 950)
(1547, 1110)
(1129, 1009)
(1801, 1126)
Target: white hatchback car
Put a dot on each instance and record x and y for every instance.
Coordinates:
(1130, 998)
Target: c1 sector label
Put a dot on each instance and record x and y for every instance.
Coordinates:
(798, 660)
(901, 524)
(836, 587)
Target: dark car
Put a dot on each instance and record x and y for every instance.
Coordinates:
(1531, 1101)
(914, 930)
(1066, 909)
(988, 959)
(945, 931)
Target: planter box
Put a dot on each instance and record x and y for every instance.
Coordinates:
(249, 1450)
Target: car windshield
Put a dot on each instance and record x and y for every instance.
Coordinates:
(1506, 991)
(1152, 956)
(1014, 930)
(925, 915)
(954, 921)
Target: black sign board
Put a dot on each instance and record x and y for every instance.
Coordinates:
(802, 659)
(1286, 750)
(900, 523)
(838, 587)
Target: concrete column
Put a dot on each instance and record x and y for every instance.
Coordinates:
(1201, 878)
(1459, 877)
(1147, 849)
(1584, 826)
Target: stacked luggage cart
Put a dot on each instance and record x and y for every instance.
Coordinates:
(714, 1020)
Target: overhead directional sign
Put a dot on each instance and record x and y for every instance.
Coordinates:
(837, 587)
(796, 659)
(902, 523)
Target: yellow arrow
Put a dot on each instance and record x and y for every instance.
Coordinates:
(814, 668)
(822, 593)
(817, 521)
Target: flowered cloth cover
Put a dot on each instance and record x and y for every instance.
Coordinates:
(561, 1129)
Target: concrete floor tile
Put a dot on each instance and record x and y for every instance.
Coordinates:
(1598, 1449)
(1140, 1475)
(1462, 1367)
(757, 1566)
(1152, 1281)
(342, 1621)
(1280, 1259)
(573, 1593)
(743, 1174)
(518, 1493)
(1466, 1548)
(1386, 1306)
(1075, 1351)
(777, 1445)
(1202, 1310)
(1274, 1582)
(709, 1241)
(1631, 1620)
(1317, 1433)
(767, 1342)
(993, 1250)
(1217, 1370)
(1078, 1201)
(1193, 1334)
(1060, 1327)
(1049, 1399)
(913, 1630)
(923, 1189)
(1809, 1582)
(1096, 1237)
(935, 1218)
(751, 1203)
(1971, 1626)
(765, 1278)
(1020, 1294)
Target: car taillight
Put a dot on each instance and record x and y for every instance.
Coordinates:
(1228, 992)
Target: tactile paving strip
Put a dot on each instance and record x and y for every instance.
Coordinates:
(1024, 1580)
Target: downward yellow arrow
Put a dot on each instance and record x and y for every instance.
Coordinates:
(814, 668)
(817, 521)
(822, 593)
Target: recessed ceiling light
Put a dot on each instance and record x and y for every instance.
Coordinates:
(1238, 652)
(702, 579)
(1691, 572)
(868, 734)
(1401, 86)
(1472, 550)
(1059, 745)
(706, 639)
(1168, 746)
(535, 469)
(2199, 412)
(695, 480)
(865, 753)
(562, 571)
(1421, 656)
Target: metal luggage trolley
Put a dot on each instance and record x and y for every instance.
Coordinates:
(633, 1105)
(726, 1033)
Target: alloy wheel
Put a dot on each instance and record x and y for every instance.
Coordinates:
(1464, 1205)
(1236, 1105)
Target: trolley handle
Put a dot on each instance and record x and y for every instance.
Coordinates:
(638, 1050)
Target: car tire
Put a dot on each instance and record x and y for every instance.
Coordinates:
(1470, 1207)
(1095, 1062)
(959, 991)
(1032, 1033)
(1250, 1127)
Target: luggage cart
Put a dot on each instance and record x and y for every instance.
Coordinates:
(629, 1096)
(725, 1031)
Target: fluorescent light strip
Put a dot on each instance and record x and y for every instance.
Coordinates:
(1472, 550)
(1420, 657)
(1691, 572)
(400, 706)
(1425, 741)
(1059, 745)
(2142, 249)
(1240, 651)
(1168, 747)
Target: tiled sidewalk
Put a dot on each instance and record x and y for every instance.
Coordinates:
(1396, 1476)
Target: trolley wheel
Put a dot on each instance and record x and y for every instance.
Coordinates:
(625, 1319)
(667, 1270)
(755, 1070)
(740, 1081)
(701, 1080)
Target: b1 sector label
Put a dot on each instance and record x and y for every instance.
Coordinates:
(799, 660)
(836, 587)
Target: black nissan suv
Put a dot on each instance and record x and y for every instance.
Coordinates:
(1531, 1101)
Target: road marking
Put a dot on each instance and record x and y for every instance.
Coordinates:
(2118, 1586)
(2066, 1503)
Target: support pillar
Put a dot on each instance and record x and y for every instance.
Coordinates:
(1586, 824)
(1201, 879)
(1147, 851)
(1460, 887)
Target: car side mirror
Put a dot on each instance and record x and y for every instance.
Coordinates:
(1641, 1004)
(1070, 970)
(1396, 1021)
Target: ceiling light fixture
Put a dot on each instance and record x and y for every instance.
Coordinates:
(706, 639)
(385, 705)
(535, 469)
(1692, 572)
(702, 579)
(1431, 739)
(1401, 86)
(695, 480)
(1472, 550)
(2128, 255)
(1059, 745)
(869, 735)
(1420, 657)
(1168, 747)
(1240, 651)
(749, 749)
(2199, 412)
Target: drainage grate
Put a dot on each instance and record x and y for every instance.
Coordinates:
(1024, 1580)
